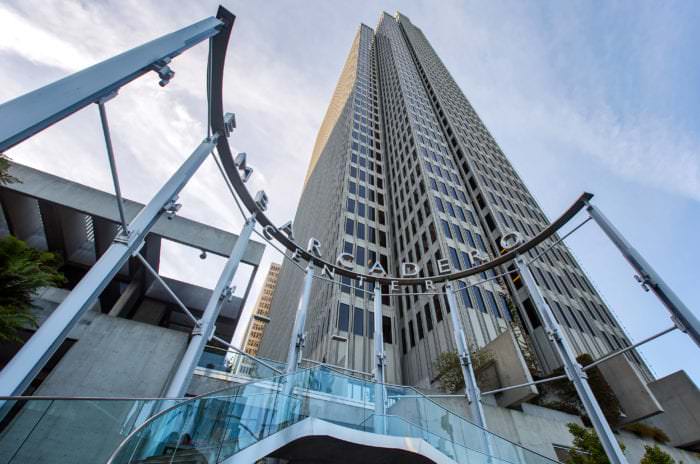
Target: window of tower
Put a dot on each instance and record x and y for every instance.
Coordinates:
(343, 316)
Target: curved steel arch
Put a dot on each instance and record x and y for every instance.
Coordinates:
(218, 57)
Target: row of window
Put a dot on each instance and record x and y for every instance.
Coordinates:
(358, 322)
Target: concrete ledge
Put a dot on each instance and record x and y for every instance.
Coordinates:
(87, 200)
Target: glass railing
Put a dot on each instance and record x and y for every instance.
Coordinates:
(216, 427)
(46, 430)
(243, 367)
(68, 431)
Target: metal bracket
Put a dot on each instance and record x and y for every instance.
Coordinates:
(197, 330)
(227, 294)
(164, 71)
(123, 239)
(229, 123)
(104, 99)
(677, 322)
(172, 207)
(643, 281)
(576, 371)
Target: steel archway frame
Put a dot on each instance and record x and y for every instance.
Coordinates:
(216, 116)
(35, 111)
(29, 114)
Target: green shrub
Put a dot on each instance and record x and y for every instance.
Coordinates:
(23, 270)
(449, 368)
(655, 455)
(568, 400)
(648, 431)
(587, 448)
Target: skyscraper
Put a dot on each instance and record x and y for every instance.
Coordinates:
(403, 170)
(261, 312)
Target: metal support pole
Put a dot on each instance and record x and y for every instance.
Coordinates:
(572, 368)
(471, 389)
(112, 164)
(681, 315)
(35, 111)
(32, 357)
(204, 330)
(296, 344)
(380, 360)
(629, 348)
(166, 287)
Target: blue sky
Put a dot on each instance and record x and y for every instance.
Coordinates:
(581, 96)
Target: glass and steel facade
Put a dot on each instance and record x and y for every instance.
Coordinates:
(261, 312)
(404, 170)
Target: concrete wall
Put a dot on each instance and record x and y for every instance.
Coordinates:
(512, 370)
(631, 390)
(113, 357)
(680, 399)
(117, 357)
(539, 429)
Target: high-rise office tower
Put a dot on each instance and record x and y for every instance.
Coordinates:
(261, 312)
(403, 170)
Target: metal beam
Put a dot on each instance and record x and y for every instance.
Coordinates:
(629, 348)
(380, 361)
(35, 111)
(112, 162)
(471, 390)
(32, 357)
(204, 329)
(572, 368)
(296, 344)
(681, 315)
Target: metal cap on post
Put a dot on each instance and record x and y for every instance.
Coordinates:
(573, 369)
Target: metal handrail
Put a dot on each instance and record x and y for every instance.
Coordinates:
(86, 398)
(189, 400)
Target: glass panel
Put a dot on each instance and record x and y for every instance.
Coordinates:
(214, 427)
(46, 430)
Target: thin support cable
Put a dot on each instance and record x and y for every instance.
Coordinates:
(228, 185)
(191, 316)
(112, 164)
(561, 239)
(319, 363)
(167, 288)
(521, 385)
(631, 347)
(209, 60)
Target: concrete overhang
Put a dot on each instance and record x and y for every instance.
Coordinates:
(87, 200)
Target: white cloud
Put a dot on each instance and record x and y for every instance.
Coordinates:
(19, 35)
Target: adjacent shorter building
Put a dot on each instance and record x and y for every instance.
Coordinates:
(261, 312)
